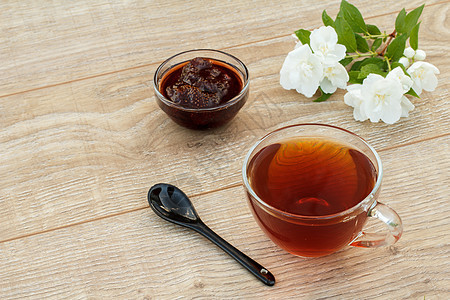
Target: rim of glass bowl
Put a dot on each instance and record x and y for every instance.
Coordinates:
(348, 212)
(224, 105)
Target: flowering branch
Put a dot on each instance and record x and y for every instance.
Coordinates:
(347, 50)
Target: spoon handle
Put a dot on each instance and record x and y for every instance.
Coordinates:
(255, 268)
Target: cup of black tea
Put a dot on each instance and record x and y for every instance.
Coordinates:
(201, 88)
(312, 187)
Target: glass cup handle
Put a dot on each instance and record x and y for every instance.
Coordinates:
(394, 225)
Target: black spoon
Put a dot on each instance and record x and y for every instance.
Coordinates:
(171, 204)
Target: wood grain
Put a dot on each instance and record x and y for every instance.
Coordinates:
(102, 142)
(126, 256)
(82, 140)
(46, 44)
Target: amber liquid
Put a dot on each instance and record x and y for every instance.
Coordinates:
(310, 177)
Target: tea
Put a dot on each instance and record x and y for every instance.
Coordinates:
(310, 177)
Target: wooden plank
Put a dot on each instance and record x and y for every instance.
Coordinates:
(46, 44)
(91, 148)
(138, 255)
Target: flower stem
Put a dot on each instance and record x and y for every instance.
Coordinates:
(357, 55)
(388, 63)
(375, 36)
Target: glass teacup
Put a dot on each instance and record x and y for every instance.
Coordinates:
(312, 187)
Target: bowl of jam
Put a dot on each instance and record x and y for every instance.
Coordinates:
(202, 88)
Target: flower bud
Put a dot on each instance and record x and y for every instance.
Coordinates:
(409, 52)
(404, 61)
(420, 55)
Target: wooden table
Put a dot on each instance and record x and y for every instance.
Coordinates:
(82, 140)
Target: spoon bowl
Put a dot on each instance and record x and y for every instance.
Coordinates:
(171, 204)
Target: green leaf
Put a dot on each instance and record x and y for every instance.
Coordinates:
(373, 30)
(356, 66)
(374, 60)
(345, 33)
(396, 47)
(370, 68)
(354, 77)
(414, 37)
(346, 61)
(376, 44)
(323, 96)
(353, 16)
(361, 44)
(303, 36)
(400, 21)
(412, 93)
(412, 18)
(370, 60)
(326, 19)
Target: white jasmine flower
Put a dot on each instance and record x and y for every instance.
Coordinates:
(420, 55)
(423, 75)
(353, 98)
(323, 42)
(406, 83)
(409, 52)
(378, 99)
(407, 106)
(404, 79)
(335, 76)
(404, 61)
(383, 98)
(301, 70)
